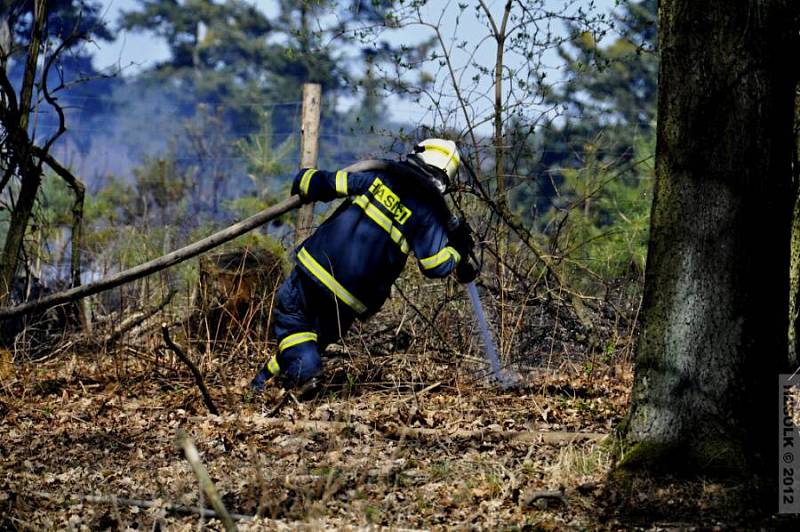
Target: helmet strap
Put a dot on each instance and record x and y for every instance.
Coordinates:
(436, 175)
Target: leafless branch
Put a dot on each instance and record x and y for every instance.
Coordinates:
(198, 377)
(206, 484)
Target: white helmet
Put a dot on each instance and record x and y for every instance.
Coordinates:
(441, 154)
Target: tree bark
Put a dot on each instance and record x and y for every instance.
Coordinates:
(794, 302)
(715, 309)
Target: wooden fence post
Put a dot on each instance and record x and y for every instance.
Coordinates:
(309, 151)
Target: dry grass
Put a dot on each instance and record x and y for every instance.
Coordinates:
(579, 464)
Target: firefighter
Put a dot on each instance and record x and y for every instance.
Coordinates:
(344, 271)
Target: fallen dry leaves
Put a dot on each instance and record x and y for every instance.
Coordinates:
(106, 426)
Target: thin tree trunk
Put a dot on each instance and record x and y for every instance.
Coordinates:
(499, 142)
(31, 62)
(17, 227)
(76, 235)
(30, 173)
(714, 314)
(499, 34)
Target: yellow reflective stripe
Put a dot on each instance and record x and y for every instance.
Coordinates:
(305, 181)
(296, 338)
(341, 183)
(273, 366)
(446, 253)
(327, 279)
(453, 156)
(377, 216)
(455, 162)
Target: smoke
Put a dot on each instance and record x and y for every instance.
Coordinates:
(113, 130)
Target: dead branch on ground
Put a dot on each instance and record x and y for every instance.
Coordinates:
(136, 319)
(198, 377)
(137, 503)
(206, 484)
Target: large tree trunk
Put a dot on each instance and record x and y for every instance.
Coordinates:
(794, 303)
(715, 310)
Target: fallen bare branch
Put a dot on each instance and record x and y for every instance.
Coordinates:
(155, 265)
(137, 319)
(530, 499)
(138, 503)
(206, 484)
(198, 377)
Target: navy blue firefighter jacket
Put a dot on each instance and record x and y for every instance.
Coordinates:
(361, 249)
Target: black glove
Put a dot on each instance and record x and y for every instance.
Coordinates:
(461, 239)
(466, 271)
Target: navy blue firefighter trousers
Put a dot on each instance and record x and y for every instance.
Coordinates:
(306, 319)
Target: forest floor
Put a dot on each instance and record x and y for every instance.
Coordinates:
(458, 453)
